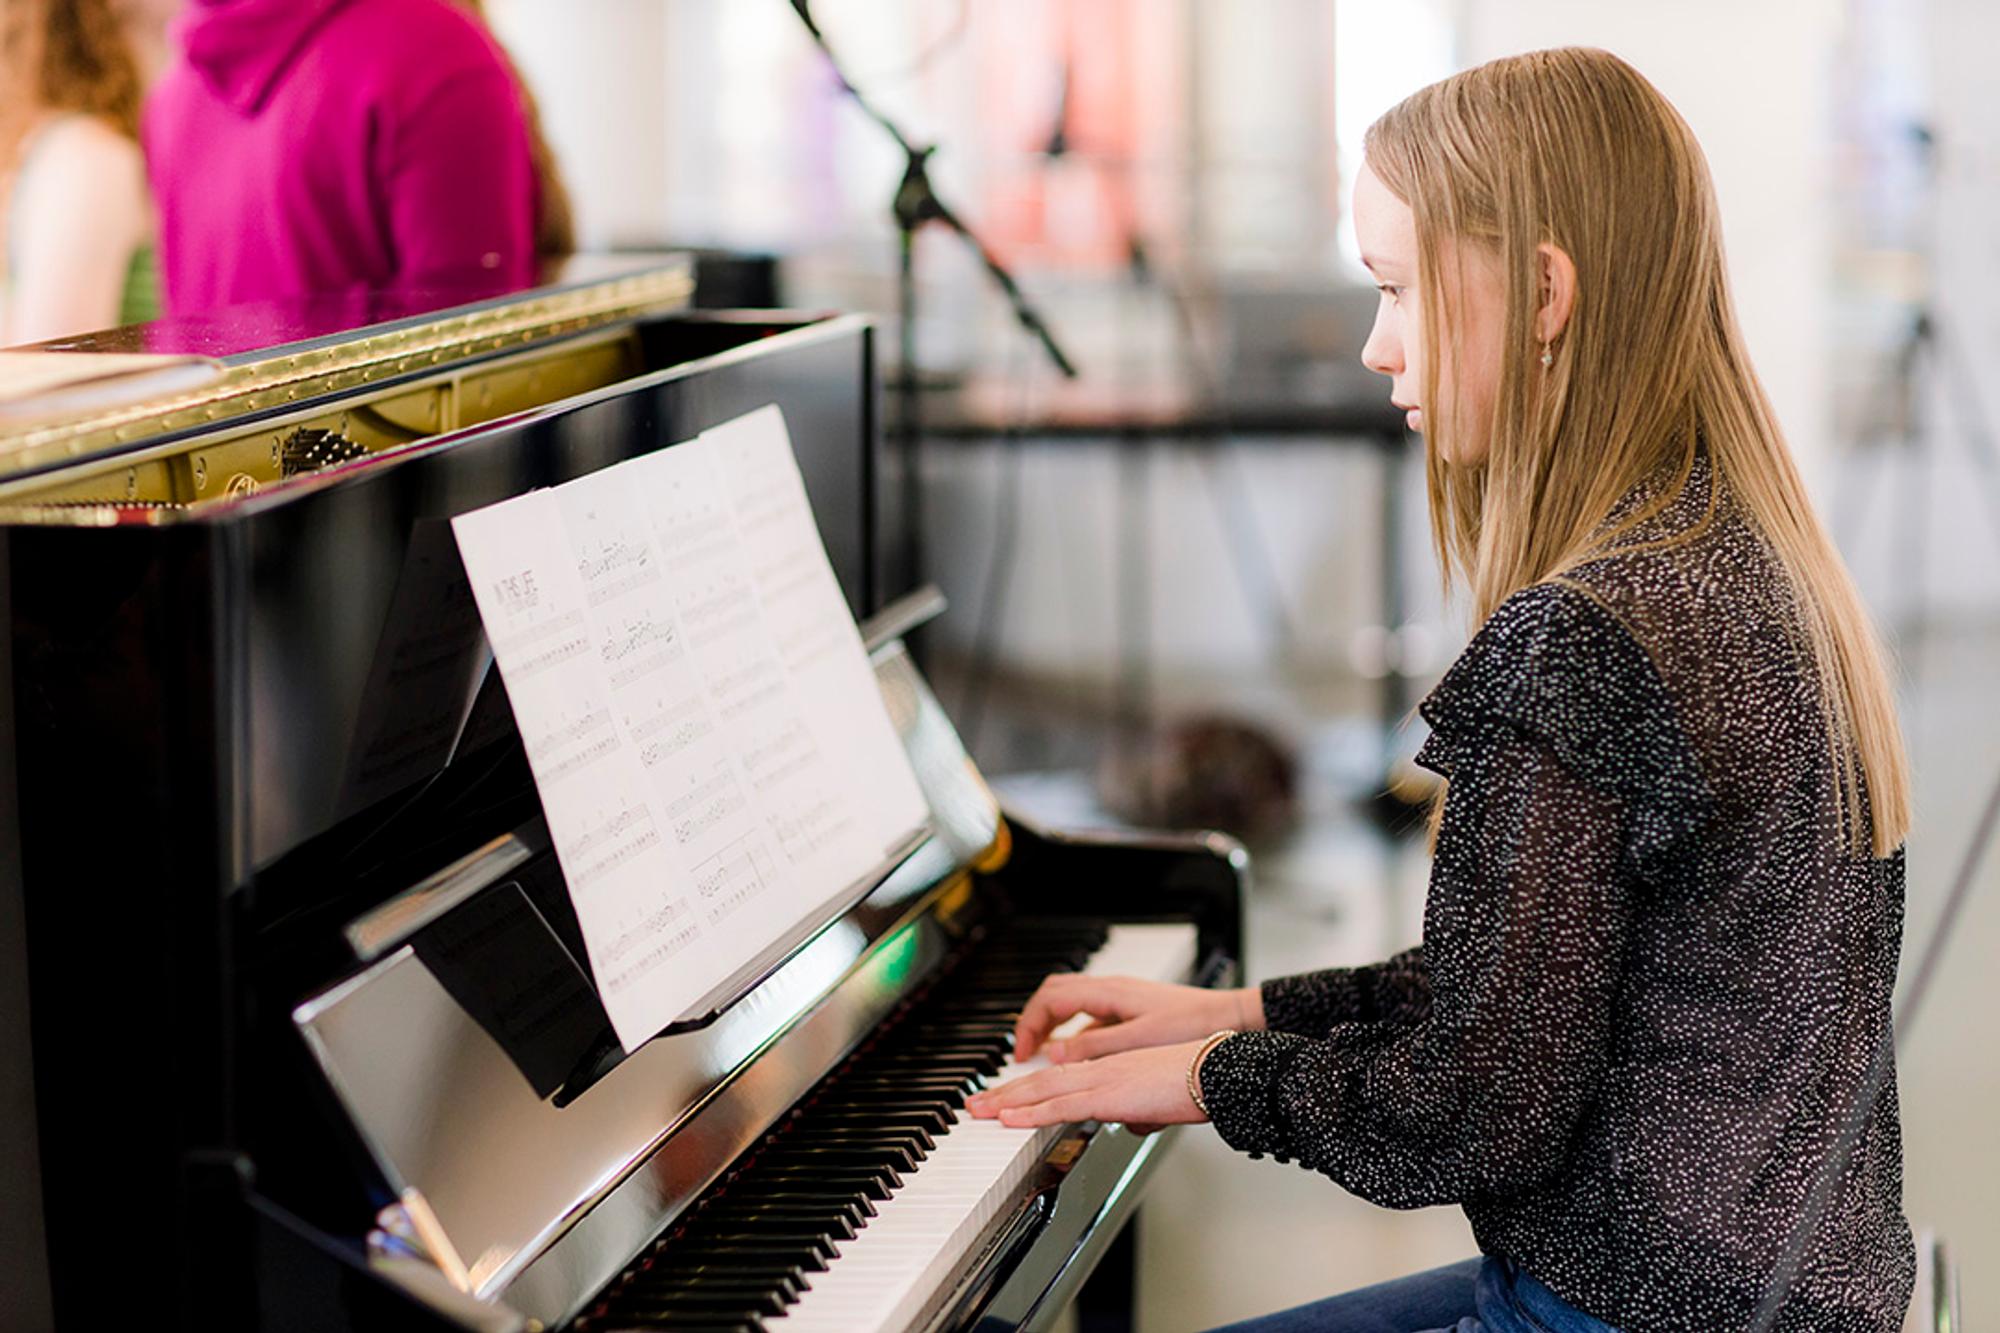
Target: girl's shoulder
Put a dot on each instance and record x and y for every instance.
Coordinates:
(1553, 661)
(1556, 667)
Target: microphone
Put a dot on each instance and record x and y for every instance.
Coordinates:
(1058, 140)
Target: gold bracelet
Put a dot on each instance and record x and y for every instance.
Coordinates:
(1215, 1039)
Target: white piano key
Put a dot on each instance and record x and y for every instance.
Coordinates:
(883, 1278)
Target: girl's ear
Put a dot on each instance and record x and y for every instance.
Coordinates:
(1558, 288)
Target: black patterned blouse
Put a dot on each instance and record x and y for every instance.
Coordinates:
(1653, 975)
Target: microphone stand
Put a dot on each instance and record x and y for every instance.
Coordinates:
(916, 203)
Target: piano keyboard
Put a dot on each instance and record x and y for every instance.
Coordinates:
(856, 1210)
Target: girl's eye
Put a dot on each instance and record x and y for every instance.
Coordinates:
(1395, 294)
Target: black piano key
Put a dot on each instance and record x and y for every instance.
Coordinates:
(666, 1304)
(920, 1064)
(943, 1021)
(956, 1069)
(811, 1154)
(886, 1070)
(753, 1290)
(914, 1064)
(877, 1183)
(678, 1325)
(967, 1032)
(887, 1091)
(823, 1221)
(833, 1194)
(782, 1278)
(985, 1006)
(916, 1140)
(889, 1101)
(752, 1196)
(777, 1239)
(938, 1109)
(802, 1258)
(942, 1046)
(780, 1193)
(939, 1052)
(933, 1119)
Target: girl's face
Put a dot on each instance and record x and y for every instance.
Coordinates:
(1387, 232)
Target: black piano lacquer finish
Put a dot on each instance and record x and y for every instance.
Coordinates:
(239, 734)
(211, 773)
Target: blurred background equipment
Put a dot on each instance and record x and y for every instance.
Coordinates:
(1205, 772)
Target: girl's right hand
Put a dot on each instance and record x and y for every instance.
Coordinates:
(1128, 1013)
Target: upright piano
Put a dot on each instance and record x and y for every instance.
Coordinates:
(293, 1024)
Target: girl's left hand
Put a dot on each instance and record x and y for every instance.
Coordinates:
(1142, 1090)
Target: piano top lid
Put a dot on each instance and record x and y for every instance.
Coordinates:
(196, 371)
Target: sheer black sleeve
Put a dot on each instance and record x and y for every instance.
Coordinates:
(1397, 990)
(1566, 770)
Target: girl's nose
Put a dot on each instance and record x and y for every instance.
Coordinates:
(1383, 352)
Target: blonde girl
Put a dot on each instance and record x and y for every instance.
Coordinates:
(1640, 1043)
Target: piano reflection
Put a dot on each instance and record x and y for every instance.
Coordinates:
(292, 992)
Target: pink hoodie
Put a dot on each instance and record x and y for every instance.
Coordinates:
(303, 147)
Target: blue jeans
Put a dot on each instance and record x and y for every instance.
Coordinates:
(1476, 1296)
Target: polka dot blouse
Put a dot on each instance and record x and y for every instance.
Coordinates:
(1653, 974)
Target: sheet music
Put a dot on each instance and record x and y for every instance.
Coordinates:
(706, 734)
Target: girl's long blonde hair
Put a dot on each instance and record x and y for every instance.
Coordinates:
(1574, 147)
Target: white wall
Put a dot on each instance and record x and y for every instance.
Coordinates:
(1752, 79)
(599, 73)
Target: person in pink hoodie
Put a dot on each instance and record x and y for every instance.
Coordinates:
(314, 147)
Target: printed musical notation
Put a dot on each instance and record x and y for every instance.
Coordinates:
(693, 530)
(546, 645)
(666, 733)
(725, 606)
(618, 841)
(793, 573)
(746, 686)
(647, 943)
(695, 813)
(773, 760)
(643, 645)
(805, 830)
(570, 747)
(732, 877)
(703, 726)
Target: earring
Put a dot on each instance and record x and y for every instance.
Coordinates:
(1548, 357)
